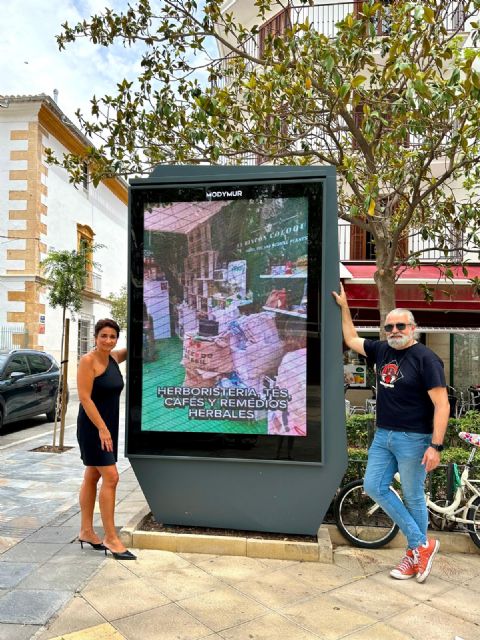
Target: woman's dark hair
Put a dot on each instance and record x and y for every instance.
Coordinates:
(106, 322)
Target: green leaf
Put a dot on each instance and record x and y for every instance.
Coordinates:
(428, 15)
(329, 62)
(357, 81)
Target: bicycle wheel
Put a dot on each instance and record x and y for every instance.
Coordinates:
(474, 515)
(360, 519)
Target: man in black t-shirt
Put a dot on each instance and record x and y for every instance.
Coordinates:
(412, 415)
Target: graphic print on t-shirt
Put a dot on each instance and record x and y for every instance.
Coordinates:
(390, 373)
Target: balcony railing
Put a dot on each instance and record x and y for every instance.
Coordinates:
(325, 17)
(426, 249)
(94, 283)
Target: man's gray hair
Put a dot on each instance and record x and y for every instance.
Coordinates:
(411, 317)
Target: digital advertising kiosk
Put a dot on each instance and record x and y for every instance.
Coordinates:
(235, 404)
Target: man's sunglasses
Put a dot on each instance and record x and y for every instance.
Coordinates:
(401, 326)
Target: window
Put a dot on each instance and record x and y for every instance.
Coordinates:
(85, 176)
(466, 359)
(362, 245)
(85, 238)
(276, 26)
(38, 363)
(17, 364)
(85, 334)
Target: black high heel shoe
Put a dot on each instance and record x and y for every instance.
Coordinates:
(120, 555)
(98, 546)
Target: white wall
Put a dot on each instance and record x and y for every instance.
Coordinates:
(67, 206)
(101, 210)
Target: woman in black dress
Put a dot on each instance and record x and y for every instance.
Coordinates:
(100, 383)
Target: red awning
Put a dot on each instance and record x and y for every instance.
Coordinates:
(456, 294)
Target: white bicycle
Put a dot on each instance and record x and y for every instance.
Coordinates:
(365, 524)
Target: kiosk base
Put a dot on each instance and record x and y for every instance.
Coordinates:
(250, 496)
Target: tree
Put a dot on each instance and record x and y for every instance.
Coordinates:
(66, 274)
(119, 306)
(390, 98)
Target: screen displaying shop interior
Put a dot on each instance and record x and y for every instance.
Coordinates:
(230, 312)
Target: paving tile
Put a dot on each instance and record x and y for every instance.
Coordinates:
(424, 592)
(11, 573)
(269, 627)
(178, 584)
(378, 560)
(64, 577)
(74, 553)
(6, 542)
(116, 600)
(233, 569)
(272, 563)
(380, 631)
(110, 572)
(428, 623)
(327, 617)
(103, 631)
(197, 558)
(367, 561)
(276, 589)
(154, 562)
(322, 577)
(31, 606)
(347, 558)
(222, 608)
(30, 552)
(168, 623)
(473, 584)
(456, 567)
(76, 615)
(54, 535)
(373, 598)
(461, 606)
(17, 631)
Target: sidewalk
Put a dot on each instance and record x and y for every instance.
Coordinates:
(171, 596)
(41, 564)
(50, 588)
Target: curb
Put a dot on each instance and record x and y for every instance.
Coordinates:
(321, 551)
(450, 542)
(328, 536)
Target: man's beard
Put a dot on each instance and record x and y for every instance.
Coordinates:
(398, 342)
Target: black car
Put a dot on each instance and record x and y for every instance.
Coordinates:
(28, 384)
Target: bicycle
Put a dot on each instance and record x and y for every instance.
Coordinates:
(364, 524)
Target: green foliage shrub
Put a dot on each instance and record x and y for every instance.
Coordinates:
(361, 427)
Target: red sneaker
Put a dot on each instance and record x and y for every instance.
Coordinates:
(424, 555)
(406, 568)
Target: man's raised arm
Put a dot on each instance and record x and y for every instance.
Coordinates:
(350, 334)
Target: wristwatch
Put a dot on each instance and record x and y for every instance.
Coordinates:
(437, 447)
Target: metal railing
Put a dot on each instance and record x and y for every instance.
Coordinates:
(427, 249)
(13, 336)
(324, 18)
(94, 283)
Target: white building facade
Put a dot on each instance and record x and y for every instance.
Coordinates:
(41, 210)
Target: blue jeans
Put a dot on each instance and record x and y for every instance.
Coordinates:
(393, 451)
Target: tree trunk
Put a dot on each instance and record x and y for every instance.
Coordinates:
(384, 277)
(63, 404)
(60, 381)
(385, 281)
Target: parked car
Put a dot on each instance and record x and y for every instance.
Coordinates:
(29, 381)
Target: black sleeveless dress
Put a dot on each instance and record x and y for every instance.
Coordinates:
(106, 391)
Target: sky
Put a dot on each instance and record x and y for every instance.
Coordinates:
(30, 62)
